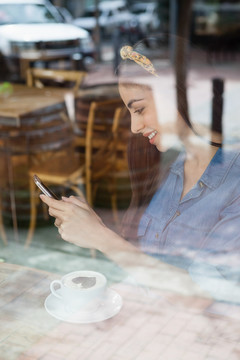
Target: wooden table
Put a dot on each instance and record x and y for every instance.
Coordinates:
(148, 327)
(31, 120)
(22, 101)
(17, 105)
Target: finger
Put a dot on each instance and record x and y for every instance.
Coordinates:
(57, 223)
(56, 204)
(81, 202)
(74, 199)
(56, 213)
(60, 230)
(81, 198)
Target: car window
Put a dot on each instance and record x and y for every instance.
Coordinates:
(64, 14)
(91, 13)
(138, 10)
(25, 14)
(122, 9)
(88, 13)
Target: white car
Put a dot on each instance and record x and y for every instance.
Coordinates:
(147, 16)
(65, 14)
(32, 31)
(111, 15)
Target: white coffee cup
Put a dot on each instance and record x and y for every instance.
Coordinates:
(80, 290)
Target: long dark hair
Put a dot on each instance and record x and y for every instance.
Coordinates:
(145, 161)
(148, 167)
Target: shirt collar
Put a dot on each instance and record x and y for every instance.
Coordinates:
(217, 169)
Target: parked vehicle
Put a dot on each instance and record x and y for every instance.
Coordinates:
(130, 32)
(110, 15)
(147, 16)
(31, 31)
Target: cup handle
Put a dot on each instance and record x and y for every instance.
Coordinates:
(52, 288)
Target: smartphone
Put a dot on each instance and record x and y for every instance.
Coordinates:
(45, 190)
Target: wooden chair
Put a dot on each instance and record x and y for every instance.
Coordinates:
(87, 168)
(101, 157)
(7, 196)
(37, 76)
(3, 185)
(2, 229)
(98, 133)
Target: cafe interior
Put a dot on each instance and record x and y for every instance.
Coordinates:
(72, 135)
(68, 126)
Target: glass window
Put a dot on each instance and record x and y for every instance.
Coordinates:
(25, 14)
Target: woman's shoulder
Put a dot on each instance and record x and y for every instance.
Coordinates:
(229, 160)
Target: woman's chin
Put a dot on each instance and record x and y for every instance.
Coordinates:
(162, 148)
(167, 143)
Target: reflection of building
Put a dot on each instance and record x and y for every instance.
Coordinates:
(217, 28)
(216, 19)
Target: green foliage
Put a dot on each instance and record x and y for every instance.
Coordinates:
(5, 88)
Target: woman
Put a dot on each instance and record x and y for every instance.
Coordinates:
(184, 213)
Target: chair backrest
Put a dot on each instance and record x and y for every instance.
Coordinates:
(35, 75)
(103, 122)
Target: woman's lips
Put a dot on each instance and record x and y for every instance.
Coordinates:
(152, 139)
(151, 136)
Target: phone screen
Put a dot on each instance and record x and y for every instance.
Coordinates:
(45, 190)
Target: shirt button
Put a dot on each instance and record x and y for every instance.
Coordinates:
(201, 184)
(177, 213)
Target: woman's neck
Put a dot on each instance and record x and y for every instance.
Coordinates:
(199, 153)
(198, 157)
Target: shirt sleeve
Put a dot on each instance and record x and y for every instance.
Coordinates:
(217, 267)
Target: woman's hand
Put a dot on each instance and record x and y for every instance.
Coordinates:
(76, 221)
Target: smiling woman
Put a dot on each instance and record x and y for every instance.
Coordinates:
(184, 213)
(154, 115)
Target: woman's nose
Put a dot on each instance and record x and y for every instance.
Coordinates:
(136, 125)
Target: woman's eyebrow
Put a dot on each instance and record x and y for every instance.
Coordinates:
(129, 105)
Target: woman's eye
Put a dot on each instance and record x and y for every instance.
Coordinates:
(139, 111)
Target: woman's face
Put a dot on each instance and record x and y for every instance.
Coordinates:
(144, 118)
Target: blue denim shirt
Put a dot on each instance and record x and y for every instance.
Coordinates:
(201, 232)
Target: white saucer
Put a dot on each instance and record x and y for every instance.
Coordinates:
(108, 307)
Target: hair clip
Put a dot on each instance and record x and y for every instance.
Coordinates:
(127, 52)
